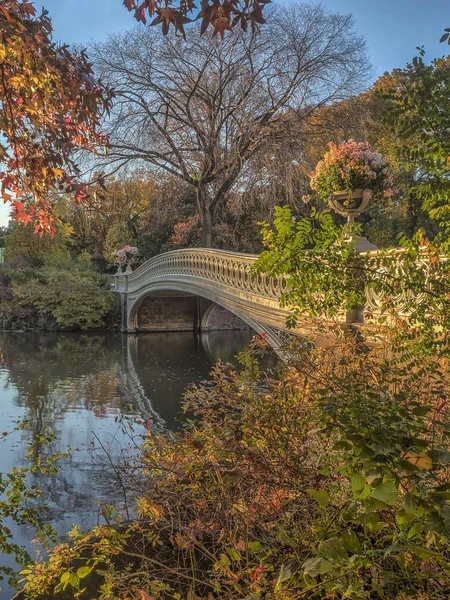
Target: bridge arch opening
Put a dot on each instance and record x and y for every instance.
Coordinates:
(172, 310)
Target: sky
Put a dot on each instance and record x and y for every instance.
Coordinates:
(392, 28)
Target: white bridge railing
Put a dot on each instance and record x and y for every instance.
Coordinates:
(227, 278)
(232, 269)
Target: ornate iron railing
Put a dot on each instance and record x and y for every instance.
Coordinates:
(231, 269)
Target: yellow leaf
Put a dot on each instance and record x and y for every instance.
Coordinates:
(15, 82)
(420, 460)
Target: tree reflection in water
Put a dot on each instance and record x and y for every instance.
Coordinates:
(77, 385)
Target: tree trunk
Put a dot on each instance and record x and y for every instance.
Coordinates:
(206, 216)
(207, 230)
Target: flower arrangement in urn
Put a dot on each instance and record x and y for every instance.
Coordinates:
(125, 256)
(350, 175)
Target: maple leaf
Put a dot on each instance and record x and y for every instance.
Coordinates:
(19, 206)
(221, 24)
(80, 195)
(25, 218)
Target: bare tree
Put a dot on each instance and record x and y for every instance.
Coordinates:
(202, 109)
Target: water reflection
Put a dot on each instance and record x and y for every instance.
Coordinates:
(76, 385)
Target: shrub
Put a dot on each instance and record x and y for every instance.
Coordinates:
(329, 480)
(60, 294)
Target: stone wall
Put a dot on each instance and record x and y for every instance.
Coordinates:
(168, 313)
(175, 311)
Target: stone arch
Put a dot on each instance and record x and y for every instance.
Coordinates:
(219, 318)
(135, 302)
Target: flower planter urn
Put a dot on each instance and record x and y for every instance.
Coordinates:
(351, 205)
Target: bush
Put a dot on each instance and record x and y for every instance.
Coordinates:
(60, 293)
(329, 480)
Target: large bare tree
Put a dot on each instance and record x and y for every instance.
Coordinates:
(202, 109)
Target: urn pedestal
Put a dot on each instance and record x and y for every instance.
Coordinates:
(351, 205)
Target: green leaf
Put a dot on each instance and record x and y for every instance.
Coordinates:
(225, 561)
(83, 572)
(421, 411)
(402, 517)
(422, 552)
(74, 580)
(320, 496)
(233, 554)
(351, 541)
(332, 548)
(444, 37)
(360, 488)
(434, 522)
(285, 574)
(415, 530)
(387, 492)
(317, 566)
(254, 546)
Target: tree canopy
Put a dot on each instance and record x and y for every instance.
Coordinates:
(203, 111)
(221, 16)
(50, 106)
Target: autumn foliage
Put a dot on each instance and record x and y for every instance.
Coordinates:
(222, 16)
(50, 105)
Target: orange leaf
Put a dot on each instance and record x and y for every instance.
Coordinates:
(420, 460)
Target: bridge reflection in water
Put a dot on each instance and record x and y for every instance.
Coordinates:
(157, 368)
(76, 385)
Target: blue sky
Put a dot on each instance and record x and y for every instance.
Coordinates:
(392, 28)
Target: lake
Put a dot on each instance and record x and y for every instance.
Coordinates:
(76, 386)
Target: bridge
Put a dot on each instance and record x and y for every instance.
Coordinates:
(202, 289)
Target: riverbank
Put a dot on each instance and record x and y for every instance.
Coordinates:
(322, 482)
(80, 386)
(55, 293)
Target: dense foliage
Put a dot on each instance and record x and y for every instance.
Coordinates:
(43, 287)
(50, 105)
(329, 479)
(417, 110)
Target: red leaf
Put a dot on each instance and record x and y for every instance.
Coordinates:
(256, 573)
